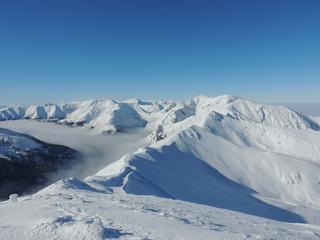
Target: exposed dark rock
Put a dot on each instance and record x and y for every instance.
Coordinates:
(24, 168)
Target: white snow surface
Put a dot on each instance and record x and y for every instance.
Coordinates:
(208, 168)
(15, 144)
(114, 115)
(72, 210)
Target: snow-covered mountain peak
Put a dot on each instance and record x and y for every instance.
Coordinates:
(114, 115)
(222, 139)
(202, 110)
(223, 99)
(258, 113)
(224, 153)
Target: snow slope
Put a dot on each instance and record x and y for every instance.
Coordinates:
(114, 115)
(221, 164)
(201, 167)
(103, 114)
(230, 153)
(72, 210)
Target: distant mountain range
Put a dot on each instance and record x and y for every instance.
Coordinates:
(225, 152)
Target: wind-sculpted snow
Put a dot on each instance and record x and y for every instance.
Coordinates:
(200, 167)
(206, 168)
(67, 184)
(72, 214)
(229, 153)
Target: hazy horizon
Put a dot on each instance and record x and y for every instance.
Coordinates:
(307, 108)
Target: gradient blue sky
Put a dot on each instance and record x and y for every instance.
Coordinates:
(61, 50)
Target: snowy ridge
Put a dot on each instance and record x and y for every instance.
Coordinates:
(201, 107)
(103, 114)
(19, 147)
(211, 168)
(227, 152)
(115, 116)
(201, 167)
(12, 141)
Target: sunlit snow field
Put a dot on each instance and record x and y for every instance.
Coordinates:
(210, 174)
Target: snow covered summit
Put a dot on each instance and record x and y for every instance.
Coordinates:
(201, 161)
(117, 116)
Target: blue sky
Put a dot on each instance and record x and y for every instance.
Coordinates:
(61, 50)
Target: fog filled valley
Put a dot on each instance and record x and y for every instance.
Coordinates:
(97, 150)
(211, 167)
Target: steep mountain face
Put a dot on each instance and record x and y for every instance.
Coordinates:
(25, 161)
(105, 115)
(198, 109)
(225, 151)
(115, 116)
